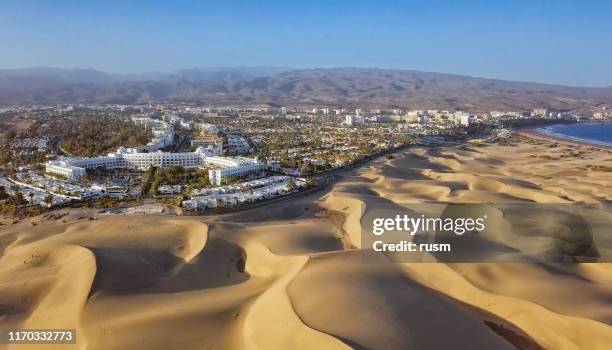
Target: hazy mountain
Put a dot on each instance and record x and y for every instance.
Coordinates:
(42, 85)
(201, 75)
(413, 89)
(74, 76)
(349, 87)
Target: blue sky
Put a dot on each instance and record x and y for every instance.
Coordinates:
(566, 42)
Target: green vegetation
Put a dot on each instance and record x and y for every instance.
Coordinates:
(506, 142)
(234, 180)
(3, 194)
(48, 199)
(7, 156)
(177, 175)
(104, 203)
(93, 136)
(17, 197)
(106, 176)
(312, 145)
(147, 178)
(602, 168)
(291, 185)
(57, 176)
(21, 212)
(16, 205)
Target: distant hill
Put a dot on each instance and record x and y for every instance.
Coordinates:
(350, 87)
(204, 75)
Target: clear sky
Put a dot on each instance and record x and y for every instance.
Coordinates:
(566, 42)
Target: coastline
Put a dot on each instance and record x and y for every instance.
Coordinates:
(277, 263)
(538, 135)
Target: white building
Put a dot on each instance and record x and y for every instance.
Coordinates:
(351, 120)
(144, 157)
(213, 143)
(231, 168)
(65, 169)
(539, 112)
(272, 110)
(163, 132)
(130, 158)
(376, 118)
(463, 118)
(185, 124)
(237, 144)
(207, 128)
(423, 119)
(169, 189)
(239, 194)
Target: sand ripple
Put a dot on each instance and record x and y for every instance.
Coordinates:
(290, 276)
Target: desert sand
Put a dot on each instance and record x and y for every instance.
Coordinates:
(290, 276)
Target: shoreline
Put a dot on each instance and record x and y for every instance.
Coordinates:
(273, 265)
(332, 176)
(534, 134)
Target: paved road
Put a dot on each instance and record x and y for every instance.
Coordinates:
(325, 181)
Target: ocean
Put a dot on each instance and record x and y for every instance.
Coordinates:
(595, 133)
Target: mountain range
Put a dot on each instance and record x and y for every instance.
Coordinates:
(282, 86)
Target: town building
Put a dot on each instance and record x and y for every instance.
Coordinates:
(131, 158)
(207, 128)
(352, 120)
(463, 118)
(539, 112)
(231, 167)
(209, 141)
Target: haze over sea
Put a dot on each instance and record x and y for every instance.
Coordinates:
(595, 133)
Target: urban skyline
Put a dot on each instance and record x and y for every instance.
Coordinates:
(273, 174)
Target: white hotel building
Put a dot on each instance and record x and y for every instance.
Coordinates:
(230, 167)
(352, 120)
(144, 157)
(131, 158)
(163, 133)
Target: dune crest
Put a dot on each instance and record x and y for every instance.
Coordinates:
(290, 274)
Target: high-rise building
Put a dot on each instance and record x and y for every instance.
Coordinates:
(352, 120)
(539, 112)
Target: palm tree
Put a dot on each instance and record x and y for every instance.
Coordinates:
(17, 196)
(291, 186)
(3, 194)
(48, 199)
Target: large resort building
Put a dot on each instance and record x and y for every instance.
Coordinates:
(163, 133)
(231, 167)
(130, 158)
(208, 140)
(147, 156)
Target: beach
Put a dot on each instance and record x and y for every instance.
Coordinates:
(290, 274)
(536, 134)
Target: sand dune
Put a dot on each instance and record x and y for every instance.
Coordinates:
(377, 306)
(290, 275)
